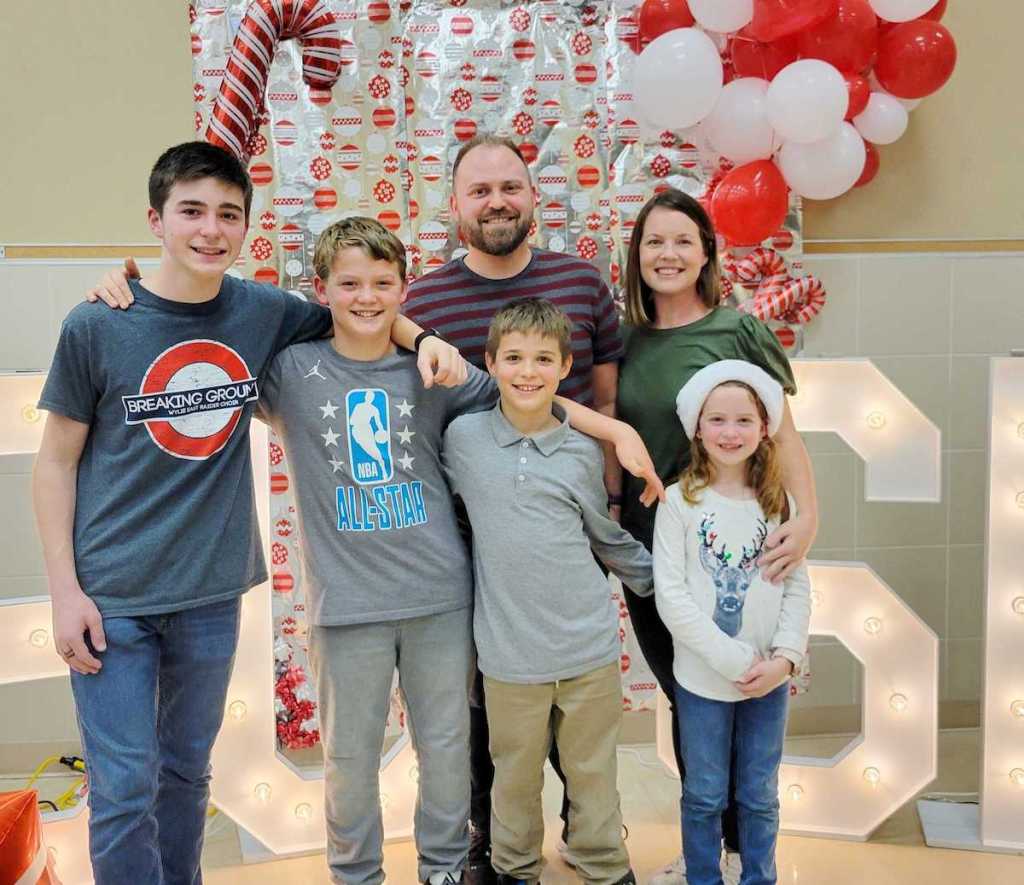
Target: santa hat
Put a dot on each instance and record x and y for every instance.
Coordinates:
(690, 399)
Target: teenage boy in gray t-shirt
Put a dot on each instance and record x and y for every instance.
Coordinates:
(386, 571)
(546, 630)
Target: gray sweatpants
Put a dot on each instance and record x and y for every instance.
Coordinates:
(353, 666)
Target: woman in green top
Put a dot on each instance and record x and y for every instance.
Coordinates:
(674, 327)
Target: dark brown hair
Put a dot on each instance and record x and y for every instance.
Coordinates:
(640, 309)
(490, 141)
(194, 160)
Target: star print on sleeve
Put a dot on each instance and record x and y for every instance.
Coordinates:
(405, 408)
(406, 461)
(330, 438)
(328, 410)
(406, 435)
(336, 465)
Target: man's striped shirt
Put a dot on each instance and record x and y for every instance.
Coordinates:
(460, 305)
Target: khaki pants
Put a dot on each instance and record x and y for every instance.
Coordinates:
(582, 715)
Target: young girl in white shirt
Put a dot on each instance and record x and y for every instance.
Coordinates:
(737, 637)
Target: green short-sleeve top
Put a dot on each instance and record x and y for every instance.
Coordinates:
(656, 364)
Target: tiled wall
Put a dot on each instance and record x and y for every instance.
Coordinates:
(929, 322)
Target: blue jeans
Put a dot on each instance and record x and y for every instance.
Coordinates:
(148, 721)
(748, 733)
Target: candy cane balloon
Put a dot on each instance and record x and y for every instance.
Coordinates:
(239, 104)
(779, 296)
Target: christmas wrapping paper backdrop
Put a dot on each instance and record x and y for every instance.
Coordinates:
(417, 79)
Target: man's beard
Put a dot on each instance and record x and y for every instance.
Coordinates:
(496, 241)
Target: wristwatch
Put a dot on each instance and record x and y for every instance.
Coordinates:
(426, 333)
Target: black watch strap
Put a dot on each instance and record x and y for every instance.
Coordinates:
(426, 333)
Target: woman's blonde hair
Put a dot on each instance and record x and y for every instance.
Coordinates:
(764, 472)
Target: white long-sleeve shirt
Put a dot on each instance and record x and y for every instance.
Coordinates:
(712, 597)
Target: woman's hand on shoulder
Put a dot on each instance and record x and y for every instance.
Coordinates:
(787, 547)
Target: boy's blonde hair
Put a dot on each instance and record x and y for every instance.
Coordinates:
(526, 315)
(764, 472)
(357, 232)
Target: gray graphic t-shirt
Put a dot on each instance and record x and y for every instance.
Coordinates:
(165, 515)
(363, 439)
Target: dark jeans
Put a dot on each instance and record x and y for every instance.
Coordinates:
(148, 721)
(481, 768)
(656, 644)
(722, 740)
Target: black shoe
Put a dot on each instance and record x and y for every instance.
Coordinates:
(504, 879)
(628, 879)
(479, 874)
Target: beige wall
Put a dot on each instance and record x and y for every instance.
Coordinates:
(92, 91)
(95, 90)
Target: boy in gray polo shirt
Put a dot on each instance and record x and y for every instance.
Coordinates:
(544, 623)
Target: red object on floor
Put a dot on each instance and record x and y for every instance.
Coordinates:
(23, 859)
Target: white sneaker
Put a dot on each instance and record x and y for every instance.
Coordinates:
(732, 868)
(671, 874)
(445, 878)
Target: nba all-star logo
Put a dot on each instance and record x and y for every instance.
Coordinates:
(191, 398)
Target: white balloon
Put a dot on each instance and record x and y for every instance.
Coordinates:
(883, 120)
(901, 10)
(807, 100)
(678, 78)
(738, 127)
(723, 16)
(823, 169)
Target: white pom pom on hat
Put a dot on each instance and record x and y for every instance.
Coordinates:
(690, 399)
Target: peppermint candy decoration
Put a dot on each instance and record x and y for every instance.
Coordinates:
(320, 168)
(283, 528)
(198, 121)
(276, 452)
(660, 166)
(519, 19)
(522, 123)
(198, 92)
(261, 248)
(278, 553)
(379, 87)
(594, 221)
(586, 248)
(591, 119)
(383, 191)
(327, 141)
(461, 99)
(390, 164)
(581, 43)
(268, 221)
(468, 72)
(386, 59)
(667, 139)
(529, 96)
(584, 147)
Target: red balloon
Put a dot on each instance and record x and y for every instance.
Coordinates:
(859, 91)
(751, 58)
(780, 18)
(871, 163)
(750, 203)
(659, 16)
(915, 58)
(848, 40)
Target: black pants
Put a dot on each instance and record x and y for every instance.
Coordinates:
(481, 768)
(656, 644)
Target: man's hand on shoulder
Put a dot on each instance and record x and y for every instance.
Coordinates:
(440, 363)
(113, 290)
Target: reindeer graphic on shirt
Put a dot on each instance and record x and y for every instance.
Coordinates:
(731, 581)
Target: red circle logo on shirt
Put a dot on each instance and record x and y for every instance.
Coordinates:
(191, 398)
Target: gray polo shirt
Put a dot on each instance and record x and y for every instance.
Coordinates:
(543, 608)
